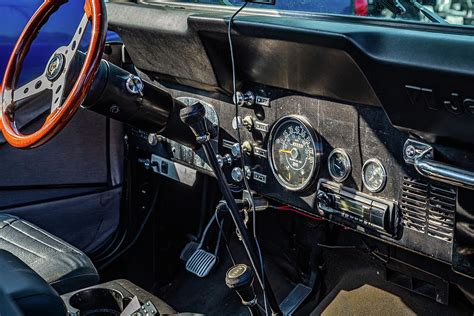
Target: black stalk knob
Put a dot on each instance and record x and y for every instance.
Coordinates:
(240, 279)
(194, 116)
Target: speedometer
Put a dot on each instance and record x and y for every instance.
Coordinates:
(295, 153)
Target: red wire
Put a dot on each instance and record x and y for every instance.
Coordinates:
(290, 209)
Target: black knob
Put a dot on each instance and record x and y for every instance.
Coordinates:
(193, 113)
(240, 278)
(194, 116)
(324, 199)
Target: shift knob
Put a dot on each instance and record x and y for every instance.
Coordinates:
(194, 116)
(240, 278)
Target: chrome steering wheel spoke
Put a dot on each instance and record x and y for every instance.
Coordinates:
(78, 35)
(35, 86)
(68, 52)
(54, 77)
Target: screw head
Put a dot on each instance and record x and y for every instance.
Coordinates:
(114, 109)
(410, 151)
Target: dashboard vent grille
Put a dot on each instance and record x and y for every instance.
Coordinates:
(428, 208)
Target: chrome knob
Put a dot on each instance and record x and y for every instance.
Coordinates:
(237, 174)
(235, 150)
(228, 159)
(220, 160)
(248, 172)
(247, 98)
(134, 84)
(153, 139)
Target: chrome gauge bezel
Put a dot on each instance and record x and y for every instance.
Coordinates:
(348, 166)
(384, 171)
(316, 144)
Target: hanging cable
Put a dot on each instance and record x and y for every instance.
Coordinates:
(222, 207)
(242, 158)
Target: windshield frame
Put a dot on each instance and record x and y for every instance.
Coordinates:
(368, 20)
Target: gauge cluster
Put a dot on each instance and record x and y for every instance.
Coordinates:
(295, 153)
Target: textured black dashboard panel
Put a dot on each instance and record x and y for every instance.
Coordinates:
(364, 85)
(364, 132)
(375, 61)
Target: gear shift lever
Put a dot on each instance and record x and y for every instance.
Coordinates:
(240, 279)
(194, 116)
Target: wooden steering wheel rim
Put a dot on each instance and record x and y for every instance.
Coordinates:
(96, 14)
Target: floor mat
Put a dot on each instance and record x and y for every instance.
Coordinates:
(210, 295)
(357, 286)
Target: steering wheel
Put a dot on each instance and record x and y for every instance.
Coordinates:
(54, 75)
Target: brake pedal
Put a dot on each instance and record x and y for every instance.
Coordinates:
(201, 263)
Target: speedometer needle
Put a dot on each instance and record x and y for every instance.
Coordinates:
(285, 151)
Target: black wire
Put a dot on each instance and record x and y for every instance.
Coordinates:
(242, 158)
(226, 242)
(336, 247)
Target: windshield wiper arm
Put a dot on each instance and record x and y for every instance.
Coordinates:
(430, 15)
(398, 8)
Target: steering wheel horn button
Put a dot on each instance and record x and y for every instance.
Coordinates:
(55, 67)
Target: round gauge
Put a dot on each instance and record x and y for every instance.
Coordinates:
(295, 151)
(339, 165)
(374, 175)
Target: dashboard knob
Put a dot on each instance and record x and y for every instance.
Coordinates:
(247, 98)
(235, 150)
(220, 160)
(247, 147)
(153, 139)
(228, 159)
(324, 198)
(237, 174)
(247, 122)
(248, 172)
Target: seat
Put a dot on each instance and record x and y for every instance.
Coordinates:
(63, 266)
(26, 290)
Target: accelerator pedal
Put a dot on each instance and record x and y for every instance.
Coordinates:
(294, 300)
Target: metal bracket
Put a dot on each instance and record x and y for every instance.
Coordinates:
(414, 149)
(420, 155)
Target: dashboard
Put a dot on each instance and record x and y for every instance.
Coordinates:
(339, 107)
(338, 161)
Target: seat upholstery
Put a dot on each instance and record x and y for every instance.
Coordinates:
(65, 267)
(8, 306)
(27, 290)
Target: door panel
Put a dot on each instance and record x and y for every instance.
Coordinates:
(70, 186)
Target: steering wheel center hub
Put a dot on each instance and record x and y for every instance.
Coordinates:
(55, 67)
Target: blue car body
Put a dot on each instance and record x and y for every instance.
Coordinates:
(58, 31)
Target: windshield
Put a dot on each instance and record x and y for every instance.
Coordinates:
(458, 12)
